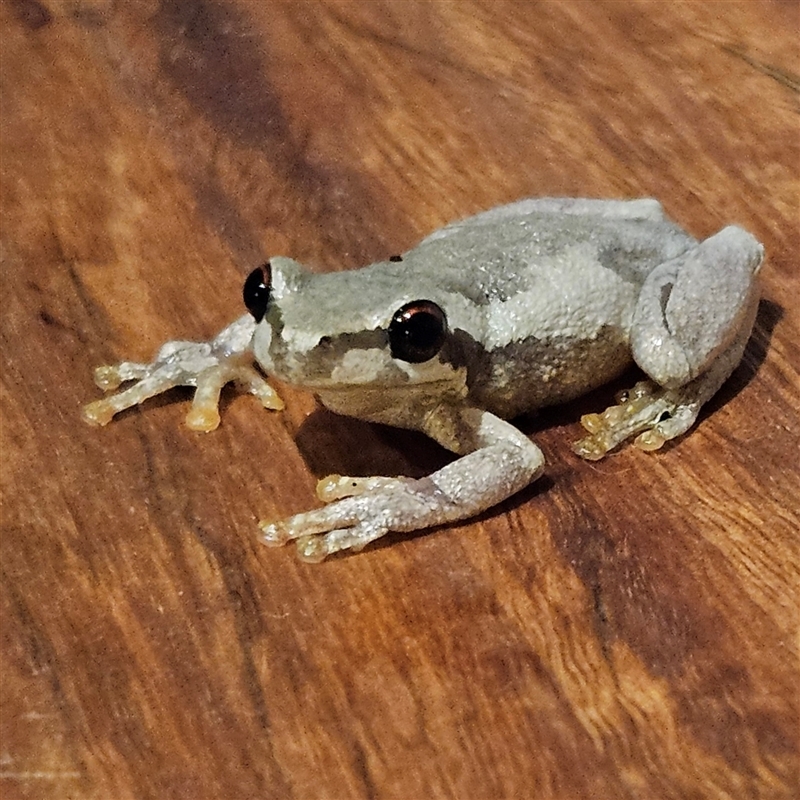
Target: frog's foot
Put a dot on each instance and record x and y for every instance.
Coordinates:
(654, 413)
(207, 366)
(364, 509)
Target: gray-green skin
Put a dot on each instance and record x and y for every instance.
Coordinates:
(545, 299)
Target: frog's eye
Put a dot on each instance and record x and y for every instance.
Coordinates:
(256, 291)
(417, 331)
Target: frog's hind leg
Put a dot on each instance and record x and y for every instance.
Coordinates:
(655, 414)
(692, 322)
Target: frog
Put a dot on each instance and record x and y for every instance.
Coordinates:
(524, 306)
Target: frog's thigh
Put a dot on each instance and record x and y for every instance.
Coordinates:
(694, 308)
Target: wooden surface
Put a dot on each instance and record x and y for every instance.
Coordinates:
(626, 629)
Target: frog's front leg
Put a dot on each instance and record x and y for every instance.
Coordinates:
(208, 366)
(692, 321)
(499, 461)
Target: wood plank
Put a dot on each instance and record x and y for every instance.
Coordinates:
(622, 629)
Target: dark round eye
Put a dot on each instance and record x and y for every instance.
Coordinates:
(256, 291)
(417, 331)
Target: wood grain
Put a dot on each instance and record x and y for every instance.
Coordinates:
(627, 629)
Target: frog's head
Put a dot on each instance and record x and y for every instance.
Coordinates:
(350, 331)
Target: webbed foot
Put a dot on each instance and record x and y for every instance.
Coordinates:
(652, 414)
(363, 509)
(207, 366)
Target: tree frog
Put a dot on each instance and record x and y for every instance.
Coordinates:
(519, 307)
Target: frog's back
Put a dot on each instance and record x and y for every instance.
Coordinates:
(531, 246)
(553, 294)
(498, 253)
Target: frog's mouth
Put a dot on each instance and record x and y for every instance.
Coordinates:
(329, 366)
(392, 404)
